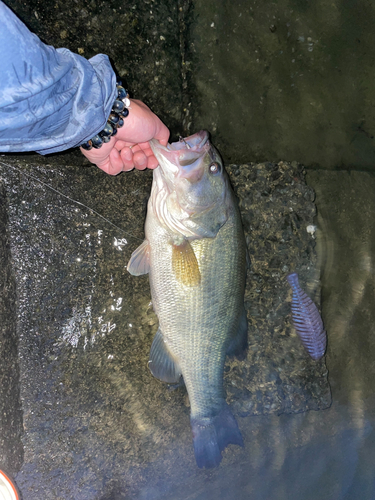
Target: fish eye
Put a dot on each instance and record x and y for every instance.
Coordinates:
(214, 168)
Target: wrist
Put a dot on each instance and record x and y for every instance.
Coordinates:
(119, 112)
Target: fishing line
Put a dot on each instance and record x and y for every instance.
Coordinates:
(67, 197)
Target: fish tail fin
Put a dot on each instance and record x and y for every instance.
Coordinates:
(212, 435)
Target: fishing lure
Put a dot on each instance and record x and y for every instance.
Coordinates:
(307, 320)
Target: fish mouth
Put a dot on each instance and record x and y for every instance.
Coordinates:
(181, 153)
(194, 142)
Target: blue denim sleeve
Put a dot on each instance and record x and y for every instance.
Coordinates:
(50, 99)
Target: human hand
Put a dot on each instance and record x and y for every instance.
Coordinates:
(130, 148)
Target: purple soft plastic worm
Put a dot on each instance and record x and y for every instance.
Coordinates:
(307, 320)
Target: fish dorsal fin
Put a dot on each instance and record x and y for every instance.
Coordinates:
(139, 262)
(185, 264)
(161, 363)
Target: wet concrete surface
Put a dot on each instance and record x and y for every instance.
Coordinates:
(11, 450)
(96, 424)
(277, 210)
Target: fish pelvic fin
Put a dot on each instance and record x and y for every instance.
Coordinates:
(238, 343)
(139, 262)
(185, 264)
(161, 363)
(212, 435)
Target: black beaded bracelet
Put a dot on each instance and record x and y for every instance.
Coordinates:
(120, 110)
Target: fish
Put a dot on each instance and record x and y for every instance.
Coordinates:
(196, 257)
(307, 320)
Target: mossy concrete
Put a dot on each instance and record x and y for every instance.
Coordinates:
(287, 79)
(89, 405)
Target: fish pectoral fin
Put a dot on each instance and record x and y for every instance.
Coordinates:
(238, 343)
(161, 363)
(185, 264)
(139, 262)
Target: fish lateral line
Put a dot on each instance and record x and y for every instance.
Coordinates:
(195, 331)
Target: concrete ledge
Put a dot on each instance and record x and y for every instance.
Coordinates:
(95, 419)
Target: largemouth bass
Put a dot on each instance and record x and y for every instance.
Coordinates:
(195, 254)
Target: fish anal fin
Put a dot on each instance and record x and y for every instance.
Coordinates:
(139, 262)
(185, 264)
(161, 363)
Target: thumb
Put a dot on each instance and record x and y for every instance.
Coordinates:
(162, 134)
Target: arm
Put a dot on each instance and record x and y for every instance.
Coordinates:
(52, 100)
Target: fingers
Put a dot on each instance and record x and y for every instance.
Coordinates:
(146, 148)
(139, 156)
(127, 164)
(132, 159)
(114, 164)
(140, 160)
(126, 161)
(152, 162)
(127, 154)
(130, 148)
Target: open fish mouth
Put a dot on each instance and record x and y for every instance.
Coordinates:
(186, 196)
(194, 142)
(181, 153)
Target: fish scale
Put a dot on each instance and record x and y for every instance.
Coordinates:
(196, 331)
